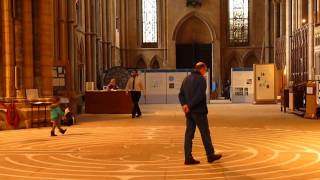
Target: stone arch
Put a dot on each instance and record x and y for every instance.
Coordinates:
(140, 62)
(196, 16)
(249, 59)
(232, 61)
(155, 63)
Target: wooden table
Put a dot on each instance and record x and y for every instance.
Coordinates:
(108, 102)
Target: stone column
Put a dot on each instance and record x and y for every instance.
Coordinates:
(299, 14)
(27, 44)
(275, 27)
(18, 54)
(88, 32)
(104, 35)
(63, 38)
(283, 9)
(109, 33)
(63, 41)
(93, 36)
(267, 32)
(288, 34)
(310, 40)
(294, 15)
(46, 45)
(71, 49)
(8, 49)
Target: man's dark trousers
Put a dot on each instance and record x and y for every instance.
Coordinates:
(200, 120)
(135, 96)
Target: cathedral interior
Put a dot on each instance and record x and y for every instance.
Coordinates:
(73, 48)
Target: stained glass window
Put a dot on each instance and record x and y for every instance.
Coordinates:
(238, 22)
(149, 21)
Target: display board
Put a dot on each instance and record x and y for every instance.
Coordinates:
(156, 88)
(242, 83)
(265, 90)
(174, 81)
(142, 76)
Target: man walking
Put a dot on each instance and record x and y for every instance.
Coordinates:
(193, 100)
(135, 86)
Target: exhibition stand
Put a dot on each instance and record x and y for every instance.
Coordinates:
(242, 82)
(264, 84)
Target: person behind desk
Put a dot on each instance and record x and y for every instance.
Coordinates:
(135, 86)
(112, 85)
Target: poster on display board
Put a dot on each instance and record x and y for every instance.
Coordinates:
(265, 90)
(242, 82)
(156, 88)
(174, 82)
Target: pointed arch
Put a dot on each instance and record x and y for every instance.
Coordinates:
(198, 17)
(155, 63)
(140, 62)
(232, 61)
(249, 59)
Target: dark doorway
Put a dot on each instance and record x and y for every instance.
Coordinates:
(187, 55)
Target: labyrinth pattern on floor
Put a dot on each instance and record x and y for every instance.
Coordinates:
(132, 153)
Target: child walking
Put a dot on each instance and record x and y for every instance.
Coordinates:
(56, 115)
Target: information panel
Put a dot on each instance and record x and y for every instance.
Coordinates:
(242, 85)
(156, 88)
(174, 81)
(265, 90)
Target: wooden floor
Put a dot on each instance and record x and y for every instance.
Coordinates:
(257, 142)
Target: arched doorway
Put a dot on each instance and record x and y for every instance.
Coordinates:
(193, 43)
(194, 39)
(141, 64)
(231, 63)
(154, 63)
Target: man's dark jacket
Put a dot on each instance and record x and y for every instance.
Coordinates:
(193, 93)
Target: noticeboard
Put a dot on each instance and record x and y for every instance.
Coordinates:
(265, 90)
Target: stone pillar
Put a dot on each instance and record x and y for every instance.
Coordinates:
(8, 48)
(299, 14)
(104, 35)
(27, 44)
(18, 54)
(71, 49)
(63, 42)
(288, 34)
(93, 36)
(275, 27)
(267, 32)
(310, 40)
(46, 45)
(294, 15)
(109, 33)
(88, 32)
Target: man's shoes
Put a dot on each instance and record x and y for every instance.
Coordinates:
(214, 157)
(138, 115)
(53, 134)
(63, 131)
(191, 162)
